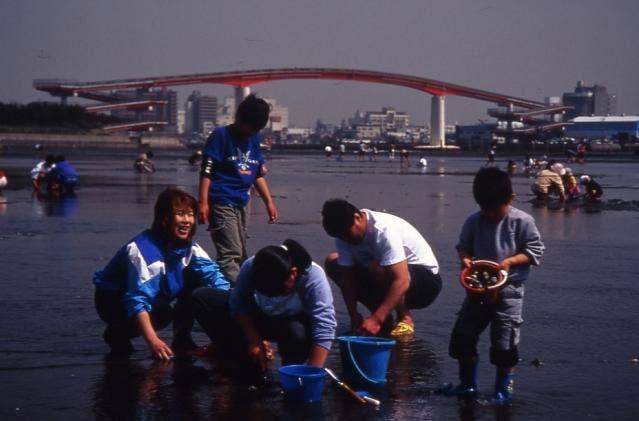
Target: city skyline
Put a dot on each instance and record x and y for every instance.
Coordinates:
(549, 48)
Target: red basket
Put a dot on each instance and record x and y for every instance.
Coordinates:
(482, 277)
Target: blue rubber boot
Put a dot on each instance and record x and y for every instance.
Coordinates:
(467, 381)
(504, 388)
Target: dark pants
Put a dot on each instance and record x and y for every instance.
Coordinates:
(424, 287)
(120, 328)
(292, 334)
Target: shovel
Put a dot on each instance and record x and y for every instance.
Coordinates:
(359, 398)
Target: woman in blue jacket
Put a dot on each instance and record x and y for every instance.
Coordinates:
(133, 293)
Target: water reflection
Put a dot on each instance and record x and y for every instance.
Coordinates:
(3, 204)
(49, 204)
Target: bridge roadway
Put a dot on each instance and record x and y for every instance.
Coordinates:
(243, 80)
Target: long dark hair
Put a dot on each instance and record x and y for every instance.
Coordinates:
(272, 266)
(167, 201)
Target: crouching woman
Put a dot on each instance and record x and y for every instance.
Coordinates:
(135, 291)
(281, 295)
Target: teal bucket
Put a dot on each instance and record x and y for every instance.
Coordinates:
(302, 383)
(365, 358)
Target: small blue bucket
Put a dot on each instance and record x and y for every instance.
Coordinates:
(365, 358)
(302, 383)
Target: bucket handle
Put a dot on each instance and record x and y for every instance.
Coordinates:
(357, 367)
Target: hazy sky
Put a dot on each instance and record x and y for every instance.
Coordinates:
(523, 48)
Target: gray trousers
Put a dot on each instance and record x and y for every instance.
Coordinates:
(504, 318)
(228, 232)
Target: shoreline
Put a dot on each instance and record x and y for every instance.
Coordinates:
(20, 144)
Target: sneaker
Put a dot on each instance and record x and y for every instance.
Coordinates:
(402, 330)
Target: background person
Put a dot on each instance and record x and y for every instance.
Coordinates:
(592, 189)
(548, 182)
(40, 172)
(63, 176)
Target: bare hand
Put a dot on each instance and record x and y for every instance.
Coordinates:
(257, 352)
(203, 212)
(356, 321)
(370, 326)
(160, 350)
(466, 262)
(505, 265)
(272, 213)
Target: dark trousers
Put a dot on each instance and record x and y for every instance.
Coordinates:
(292, 333)
(121, 328)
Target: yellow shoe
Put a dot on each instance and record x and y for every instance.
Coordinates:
(402, 330)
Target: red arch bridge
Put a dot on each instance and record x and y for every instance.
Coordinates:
(104, 91)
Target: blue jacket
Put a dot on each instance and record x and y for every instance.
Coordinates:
(66, 172)
(145, 268)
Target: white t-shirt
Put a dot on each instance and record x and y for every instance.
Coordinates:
(388, 240)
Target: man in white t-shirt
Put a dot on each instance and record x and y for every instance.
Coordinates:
(381, 261)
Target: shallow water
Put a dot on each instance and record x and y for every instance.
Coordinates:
(580, 306)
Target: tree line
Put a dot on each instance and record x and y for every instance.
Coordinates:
(51, 115)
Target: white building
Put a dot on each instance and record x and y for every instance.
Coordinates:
(181, 121)
(388, 119)
(278, 119)
(226, 112)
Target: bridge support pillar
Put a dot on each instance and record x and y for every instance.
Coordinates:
(241, 92)
(437, 122)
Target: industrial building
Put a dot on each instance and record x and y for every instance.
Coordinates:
(589, 101)
(201, 113)
(604, 127)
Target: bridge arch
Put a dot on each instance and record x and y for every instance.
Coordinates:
(243, 80)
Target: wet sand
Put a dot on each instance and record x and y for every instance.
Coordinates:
(580, 306)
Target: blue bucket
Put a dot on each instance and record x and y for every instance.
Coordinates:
(365, 358)
(302, 383)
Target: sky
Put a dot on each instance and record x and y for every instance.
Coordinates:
(524, 48)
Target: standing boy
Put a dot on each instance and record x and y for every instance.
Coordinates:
(381, 261)
(232, 162)
(504, 234)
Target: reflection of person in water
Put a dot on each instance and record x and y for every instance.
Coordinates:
(52, 203)
(133, 293)
(3, 180)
